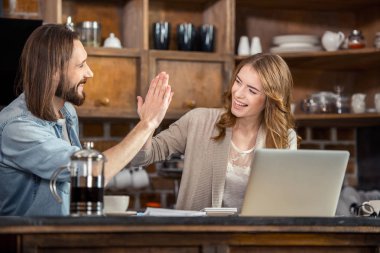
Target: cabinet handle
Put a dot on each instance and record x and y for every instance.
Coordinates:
(191, 104)
(102, 102)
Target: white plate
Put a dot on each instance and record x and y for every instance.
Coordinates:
(296, 44)
(294, 49)
(281, 39)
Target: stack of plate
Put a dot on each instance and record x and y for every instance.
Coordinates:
(295, 43)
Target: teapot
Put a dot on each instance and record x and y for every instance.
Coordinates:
(87, 182)
(331, 41)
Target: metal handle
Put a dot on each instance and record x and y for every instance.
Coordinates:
(53, 186)
(105, 101)
(191, 104)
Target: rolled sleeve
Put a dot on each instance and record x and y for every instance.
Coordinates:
(33, 148)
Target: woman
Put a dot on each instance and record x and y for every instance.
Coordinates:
(218, 144)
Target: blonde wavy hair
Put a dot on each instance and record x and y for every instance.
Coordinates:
(277, 84)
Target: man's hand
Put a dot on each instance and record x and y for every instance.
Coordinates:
(157, 101)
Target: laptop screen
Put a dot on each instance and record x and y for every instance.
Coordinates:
(294, 183)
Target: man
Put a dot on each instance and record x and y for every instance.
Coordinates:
(39, 129)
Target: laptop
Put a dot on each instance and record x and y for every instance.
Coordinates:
(301, 183)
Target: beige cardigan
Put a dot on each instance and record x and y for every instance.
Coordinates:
(205, 162)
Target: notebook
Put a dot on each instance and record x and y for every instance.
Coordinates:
(294, 183)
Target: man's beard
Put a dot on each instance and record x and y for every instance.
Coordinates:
(72, 94)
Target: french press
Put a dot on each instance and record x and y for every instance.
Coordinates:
(87, 182)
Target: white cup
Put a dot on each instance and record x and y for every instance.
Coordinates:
(243, 48)
(256, 46)
(375, 204)
(358, 103)
(122, 180)
(377, 102)
(140, 178)
(115, 203)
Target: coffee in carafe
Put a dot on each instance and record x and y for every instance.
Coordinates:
(87, 182)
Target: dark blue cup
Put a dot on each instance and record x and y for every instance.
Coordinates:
(186, 36)
(161, 35)
(207, 34)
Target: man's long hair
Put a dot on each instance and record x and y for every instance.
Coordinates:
(44, 61)
(277, 85)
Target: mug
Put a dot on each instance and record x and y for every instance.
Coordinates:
(161, 35)
(366, 207)
(186, 36)
(377, 102)
(207, 37)
(121, 181)
(358, 103)
(140, 178)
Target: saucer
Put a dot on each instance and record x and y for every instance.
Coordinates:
(295, 49)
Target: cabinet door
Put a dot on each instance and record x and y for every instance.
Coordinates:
(196, 81)
(113, 89)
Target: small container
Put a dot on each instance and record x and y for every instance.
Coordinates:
(90, 33)
(112, 42)
(356, 40)
(376, 42)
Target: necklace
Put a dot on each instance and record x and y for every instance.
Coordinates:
(239, 154)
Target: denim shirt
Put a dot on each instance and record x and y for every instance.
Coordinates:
(31, 149)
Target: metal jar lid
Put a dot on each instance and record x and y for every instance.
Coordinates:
(88, 153)
(356, 33)
(89, 24)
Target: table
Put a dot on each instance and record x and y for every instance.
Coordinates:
(189, 234)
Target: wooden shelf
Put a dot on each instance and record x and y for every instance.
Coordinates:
(331, 120)
(354, 59)
(113, 52)
(187, 55)
(309, 5)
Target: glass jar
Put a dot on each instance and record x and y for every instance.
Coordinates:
(356, 40)
(376, 42)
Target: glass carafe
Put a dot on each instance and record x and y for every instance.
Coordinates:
(87, 182)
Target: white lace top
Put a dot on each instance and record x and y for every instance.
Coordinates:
(238, 168)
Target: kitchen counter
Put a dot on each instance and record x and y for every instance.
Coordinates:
(188, 234)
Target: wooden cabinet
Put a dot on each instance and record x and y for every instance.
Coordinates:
(356, 70)
(199, 79)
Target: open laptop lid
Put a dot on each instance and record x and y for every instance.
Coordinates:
(294, 183)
